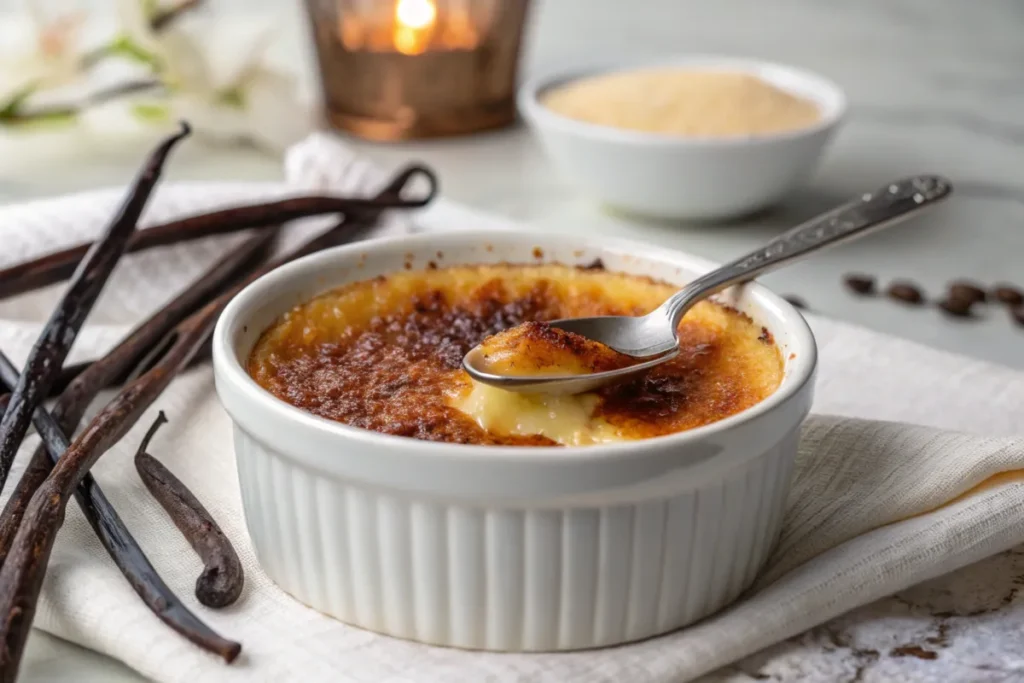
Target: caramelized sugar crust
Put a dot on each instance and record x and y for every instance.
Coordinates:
(385, 354)
(536, 348)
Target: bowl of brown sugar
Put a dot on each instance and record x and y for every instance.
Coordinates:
(698, 138)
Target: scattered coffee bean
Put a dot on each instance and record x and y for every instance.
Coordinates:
(861, 284)
(967, 291)
(905, 292)
(1005, 294)
(959, 306)
(796, 302)
(959, 302)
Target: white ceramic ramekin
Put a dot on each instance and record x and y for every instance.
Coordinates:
(508, 548)
(675, 177)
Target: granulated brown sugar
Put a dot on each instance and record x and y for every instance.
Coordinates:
(675, 101)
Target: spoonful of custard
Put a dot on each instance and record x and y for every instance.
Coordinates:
(527, 355)
(576, 355)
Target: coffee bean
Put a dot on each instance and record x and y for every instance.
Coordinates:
(906, 292)
(1017, 313)
(1006, 294)
(959, 306)
(967, 291)
(796, 302)
(860, 284)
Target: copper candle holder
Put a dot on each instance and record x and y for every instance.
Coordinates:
(409, 69)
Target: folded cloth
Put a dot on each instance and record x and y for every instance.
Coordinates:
(876, 505)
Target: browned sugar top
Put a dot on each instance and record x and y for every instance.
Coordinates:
(536, 348)
(385, 354)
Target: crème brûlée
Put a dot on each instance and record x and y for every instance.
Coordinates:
(385, 354)
(536, 349)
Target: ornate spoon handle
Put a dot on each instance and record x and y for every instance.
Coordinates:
(870, 212)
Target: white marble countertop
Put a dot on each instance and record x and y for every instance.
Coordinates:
(935, 86)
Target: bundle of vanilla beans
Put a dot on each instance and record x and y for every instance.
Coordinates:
(146, 361)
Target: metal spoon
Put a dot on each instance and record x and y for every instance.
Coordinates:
(653, 337)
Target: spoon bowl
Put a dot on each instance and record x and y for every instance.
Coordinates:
(653, 338)
(557, 384)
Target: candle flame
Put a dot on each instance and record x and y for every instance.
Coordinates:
(414, 21)
(415, 13)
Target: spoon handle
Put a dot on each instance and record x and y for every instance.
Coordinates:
(870, 212)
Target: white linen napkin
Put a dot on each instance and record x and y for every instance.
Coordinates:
(875, 507)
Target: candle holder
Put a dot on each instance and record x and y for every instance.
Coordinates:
(409, 69)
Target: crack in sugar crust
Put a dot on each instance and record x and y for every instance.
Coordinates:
(385, 354)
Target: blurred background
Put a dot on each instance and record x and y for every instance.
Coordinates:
(896, 59)
(933, 85)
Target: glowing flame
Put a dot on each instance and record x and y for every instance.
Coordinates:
(414, 22)
(415, 13)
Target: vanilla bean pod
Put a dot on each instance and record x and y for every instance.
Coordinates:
(98, 511)
(69, 372)
(50, 350)
(115, 367)
(52, 268)
(21, 576)
(66, 375)
(123, 548)
(222, 579)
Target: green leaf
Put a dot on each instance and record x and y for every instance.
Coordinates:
(232, 97)
(151, 112)
(124, 46)
(44, 119)
(11, 109)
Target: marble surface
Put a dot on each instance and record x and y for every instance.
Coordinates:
(960, 627)
(935, 86)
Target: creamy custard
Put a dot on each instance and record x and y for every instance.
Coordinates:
(385, 354)
(537, 349)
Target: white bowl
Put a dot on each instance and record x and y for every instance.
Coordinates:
(507, 548)
(692, 178)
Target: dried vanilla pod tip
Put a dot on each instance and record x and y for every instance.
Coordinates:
(222, 579)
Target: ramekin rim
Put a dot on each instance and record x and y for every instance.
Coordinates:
(228, 367)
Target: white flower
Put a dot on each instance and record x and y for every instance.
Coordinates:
(236, 99)
(53, 59)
